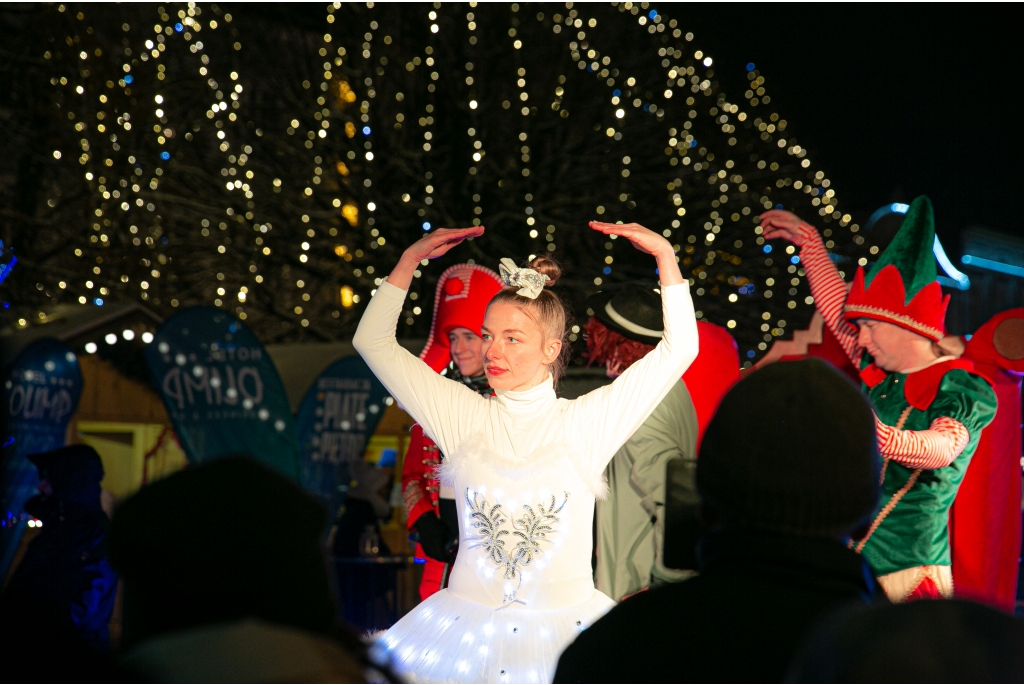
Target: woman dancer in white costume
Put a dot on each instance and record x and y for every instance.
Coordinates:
(526, 468)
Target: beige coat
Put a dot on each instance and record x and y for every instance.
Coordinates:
(630, 523)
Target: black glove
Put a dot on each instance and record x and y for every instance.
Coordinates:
(434, 536)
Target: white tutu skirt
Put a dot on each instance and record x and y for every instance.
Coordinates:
(451, 640)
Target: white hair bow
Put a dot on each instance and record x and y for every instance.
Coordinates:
(529, 282)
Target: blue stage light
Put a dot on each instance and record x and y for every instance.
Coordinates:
(957, 279)
(992, 265)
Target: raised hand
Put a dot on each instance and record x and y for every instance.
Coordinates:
(650, 242)
(778, 223)
(436, 243)
(643, 239)
(430, 246)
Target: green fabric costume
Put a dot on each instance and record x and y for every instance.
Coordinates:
(902, 289)
(916, 532)
(630, 522)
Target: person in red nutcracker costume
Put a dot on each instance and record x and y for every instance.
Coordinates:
(460, 301)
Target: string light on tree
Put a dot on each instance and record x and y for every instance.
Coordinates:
(644, 134)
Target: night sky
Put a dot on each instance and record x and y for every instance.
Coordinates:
(893, 101)
(889, 101)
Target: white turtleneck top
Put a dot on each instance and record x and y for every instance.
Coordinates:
(526, 466)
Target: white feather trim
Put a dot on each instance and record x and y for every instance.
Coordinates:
(536, 465)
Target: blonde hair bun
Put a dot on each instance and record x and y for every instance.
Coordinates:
(546, 309)
(547, 267)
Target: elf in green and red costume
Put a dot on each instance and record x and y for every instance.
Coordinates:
(930, 407)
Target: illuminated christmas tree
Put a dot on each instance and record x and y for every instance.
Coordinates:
(274, 163)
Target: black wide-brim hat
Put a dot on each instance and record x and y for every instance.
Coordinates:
(633, 310)
(70, 465)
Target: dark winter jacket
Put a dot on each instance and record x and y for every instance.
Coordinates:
(65, 582)
(740, 620)
(66, 574)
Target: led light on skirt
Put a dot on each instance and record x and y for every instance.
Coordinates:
(463, 292)
(468, 642)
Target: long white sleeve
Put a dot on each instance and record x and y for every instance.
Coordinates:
(444, 408)
(606, 418)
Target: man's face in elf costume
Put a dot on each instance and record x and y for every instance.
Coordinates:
(467, 351)
(894, 348)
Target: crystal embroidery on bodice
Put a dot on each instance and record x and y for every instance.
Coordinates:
(532, 528)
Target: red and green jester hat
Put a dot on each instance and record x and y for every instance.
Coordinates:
(929, 418)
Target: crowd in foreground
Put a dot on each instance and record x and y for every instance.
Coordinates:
(819, 510)
(225, 580)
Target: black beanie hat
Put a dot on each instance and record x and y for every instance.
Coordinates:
(222, 541)
(792, 449)
(74, 472)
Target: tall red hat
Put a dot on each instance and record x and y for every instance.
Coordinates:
(463, 293)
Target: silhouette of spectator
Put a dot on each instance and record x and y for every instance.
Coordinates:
(225, 580)
(367, 590)
(787, 468)
(366, 505)
(61, 595)
(947, 641)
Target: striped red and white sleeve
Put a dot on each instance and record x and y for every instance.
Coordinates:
(828, 289)
(934, 448)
